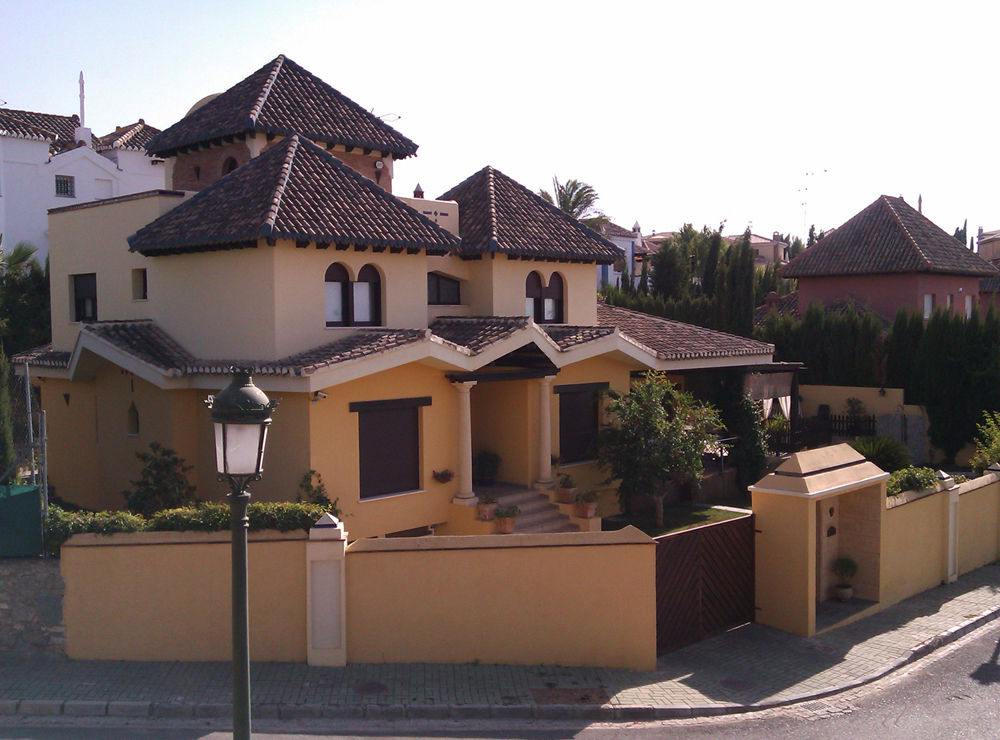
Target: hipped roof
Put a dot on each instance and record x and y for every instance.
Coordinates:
(889, 236)
(498, 214)
(294, 190)
(282, 98)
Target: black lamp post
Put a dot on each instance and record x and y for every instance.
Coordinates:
(241, 414)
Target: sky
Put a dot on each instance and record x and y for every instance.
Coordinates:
(775, 115)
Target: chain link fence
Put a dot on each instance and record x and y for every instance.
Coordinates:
(27, 428)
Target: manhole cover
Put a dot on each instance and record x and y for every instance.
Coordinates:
(570, 696)
(370, 687)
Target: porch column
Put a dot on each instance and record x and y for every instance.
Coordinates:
(465, 494)
(545, 431)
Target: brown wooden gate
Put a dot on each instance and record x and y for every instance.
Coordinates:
(704, 581)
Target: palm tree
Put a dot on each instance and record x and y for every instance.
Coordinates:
(17, 260)
(576, 198)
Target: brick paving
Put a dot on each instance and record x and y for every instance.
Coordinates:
(752, 667)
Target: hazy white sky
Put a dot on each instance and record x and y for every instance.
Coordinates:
(675, 112)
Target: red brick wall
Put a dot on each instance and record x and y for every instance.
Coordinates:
(886, 294)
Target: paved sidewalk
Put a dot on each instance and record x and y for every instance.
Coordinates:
(747, 668)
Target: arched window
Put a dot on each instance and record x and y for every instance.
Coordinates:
(533, 296)
(229, 165)
(552, 308)
(132, 424)
(367, 298)
(337, 295)
(357, 303)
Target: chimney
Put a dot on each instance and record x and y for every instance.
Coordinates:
(82, 134)
(418, 192)
(920, 204)
(771, 300)
(636, 229)
(775, 237)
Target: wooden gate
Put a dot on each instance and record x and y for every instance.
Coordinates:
(704, 581)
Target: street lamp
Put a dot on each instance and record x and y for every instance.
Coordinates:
(241, 413)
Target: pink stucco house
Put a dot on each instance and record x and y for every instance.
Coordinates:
(890, 256)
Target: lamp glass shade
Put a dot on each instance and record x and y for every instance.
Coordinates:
(239, 448)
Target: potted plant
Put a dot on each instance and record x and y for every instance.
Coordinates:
(504, 516)
(484, 467)
(566, 490)
(586, 503)
(845, 569)
(486, 508)
(442, 476)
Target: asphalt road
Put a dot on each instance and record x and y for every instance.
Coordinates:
(953, 693)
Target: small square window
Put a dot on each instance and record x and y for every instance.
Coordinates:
(139, 290)
(65, 186)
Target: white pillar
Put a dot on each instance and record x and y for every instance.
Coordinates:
(952, 535)
(545, 431)
(465, 494)
(326, 613)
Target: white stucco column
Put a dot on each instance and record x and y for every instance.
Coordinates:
(545, 431)
(952, 535)
(326, 621)
(465, 494)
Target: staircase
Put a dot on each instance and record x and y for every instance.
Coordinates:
(538, 513)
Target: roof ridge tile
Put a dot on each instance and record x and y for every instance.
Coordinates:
(258, 105)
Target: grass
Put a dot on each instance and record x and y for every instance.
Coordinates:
(676, 518)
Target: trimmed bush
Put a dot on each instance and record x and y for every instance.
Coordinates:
(910, 479)
(888, 453)
(162, 482)
(285, 516)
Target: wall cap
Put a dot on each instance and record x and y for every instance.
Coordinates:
(628, 535)
(120, 539)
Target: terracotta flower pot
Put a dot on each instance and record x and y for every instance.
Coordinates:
(504, 525)
(485, 511)
(566, 495)
(586, 509)
(844, 592)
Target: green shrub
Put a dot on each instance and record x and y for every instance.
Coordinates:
(987, 442)
(845, 569)
(315, 493)
(910, 479)
(162, 483)
(888, 453)
(60, 525)
(284, 516)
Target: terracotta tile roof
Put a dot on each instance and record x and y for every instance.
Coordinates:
(476, 333)
(611, 229)
(146, 341)
(673, 340)
(43, 356)
(498, 214)
(25, 124)
(991, 284)
(788, 303)
(889, 236)
(293, 190)
(133, 137)
(283, 98)
(571, 336)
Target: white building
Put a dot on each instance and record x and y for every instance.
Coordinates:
(630, 242)
(49, 160)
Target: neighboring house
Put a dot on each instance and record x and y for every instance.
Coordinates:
(626, 241)
(48, 160)
(398, 345)
(766, 251)
(890, 256)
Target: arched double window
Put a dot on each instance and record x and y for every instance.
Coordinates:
(544, 303)
(353, 303)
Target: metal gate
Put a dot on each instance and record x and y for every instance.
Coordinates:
(704, 581)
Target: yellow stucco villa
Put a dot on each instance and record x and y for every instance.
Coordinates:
(401, 335)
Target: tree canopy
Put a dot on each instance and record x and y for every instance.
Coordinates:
(576, 198)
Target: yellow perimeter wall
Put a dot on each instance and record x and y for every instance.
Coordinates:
(525, 599)
(785, 561)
